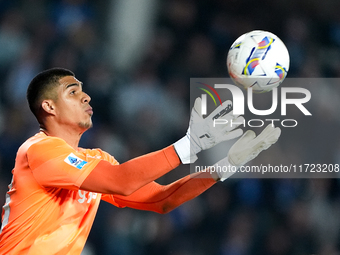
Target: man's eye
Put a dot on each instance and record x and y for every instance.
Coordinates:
(72, 92)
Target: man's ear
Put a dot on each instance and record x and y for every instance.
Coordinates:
(48, 106)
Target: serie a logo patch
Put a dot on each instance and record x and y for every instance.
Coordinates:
(75, 161)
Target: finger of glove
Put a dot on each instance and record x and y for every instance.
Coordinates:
(232, 124)
(261, 146)
(266, 139)
(222, 129)
(196, 115)
(245, 149)
(198, 106)
(249, 146)
(269, 128)
(239, 152)
(225, 125)
(248, 136)
(221, 110)
(234, 134)
(269, 135)
(231, 116)
(228, 135)
(273, 136)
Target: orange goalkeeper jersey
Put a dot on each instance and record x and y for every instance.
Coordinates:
(45, 210)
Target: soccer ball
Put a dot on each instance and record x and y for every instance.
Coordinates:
(258, 59)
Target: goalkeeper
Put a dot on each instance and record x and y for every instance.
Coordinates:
(57, 186)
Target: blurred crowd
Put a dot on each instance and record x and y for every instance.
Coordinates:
(146, 107)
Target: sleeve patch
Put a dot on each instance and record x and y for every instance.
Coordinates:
(75, 161)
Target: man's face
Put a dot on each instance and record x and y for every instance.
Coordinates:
(72, 105)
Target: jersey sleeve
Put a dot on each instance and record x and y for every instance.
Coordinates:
(108, 157)
(129, 176)
(164, 198)
(56, 164)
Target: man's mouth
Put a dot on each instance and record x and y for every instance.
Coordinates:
(89, 111)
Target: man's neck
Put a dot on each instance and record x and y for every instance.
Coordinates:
(71, 137)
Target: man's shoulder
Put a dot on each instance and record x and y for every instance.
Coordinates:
(38, 146)
(98, 153)
(41, 141)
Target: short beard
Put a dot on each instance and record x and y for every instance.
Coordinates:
(85, 125)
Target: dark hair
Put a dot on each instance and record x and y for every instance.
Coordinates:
(43, 87)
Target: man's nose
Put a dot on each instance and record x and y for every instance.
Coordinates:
(86, 98)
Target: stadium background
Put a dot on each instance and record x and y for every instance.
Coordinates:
(136, 58)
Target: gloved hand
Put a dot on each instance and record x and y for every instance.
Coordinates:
(245, 149)
(202, 134)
